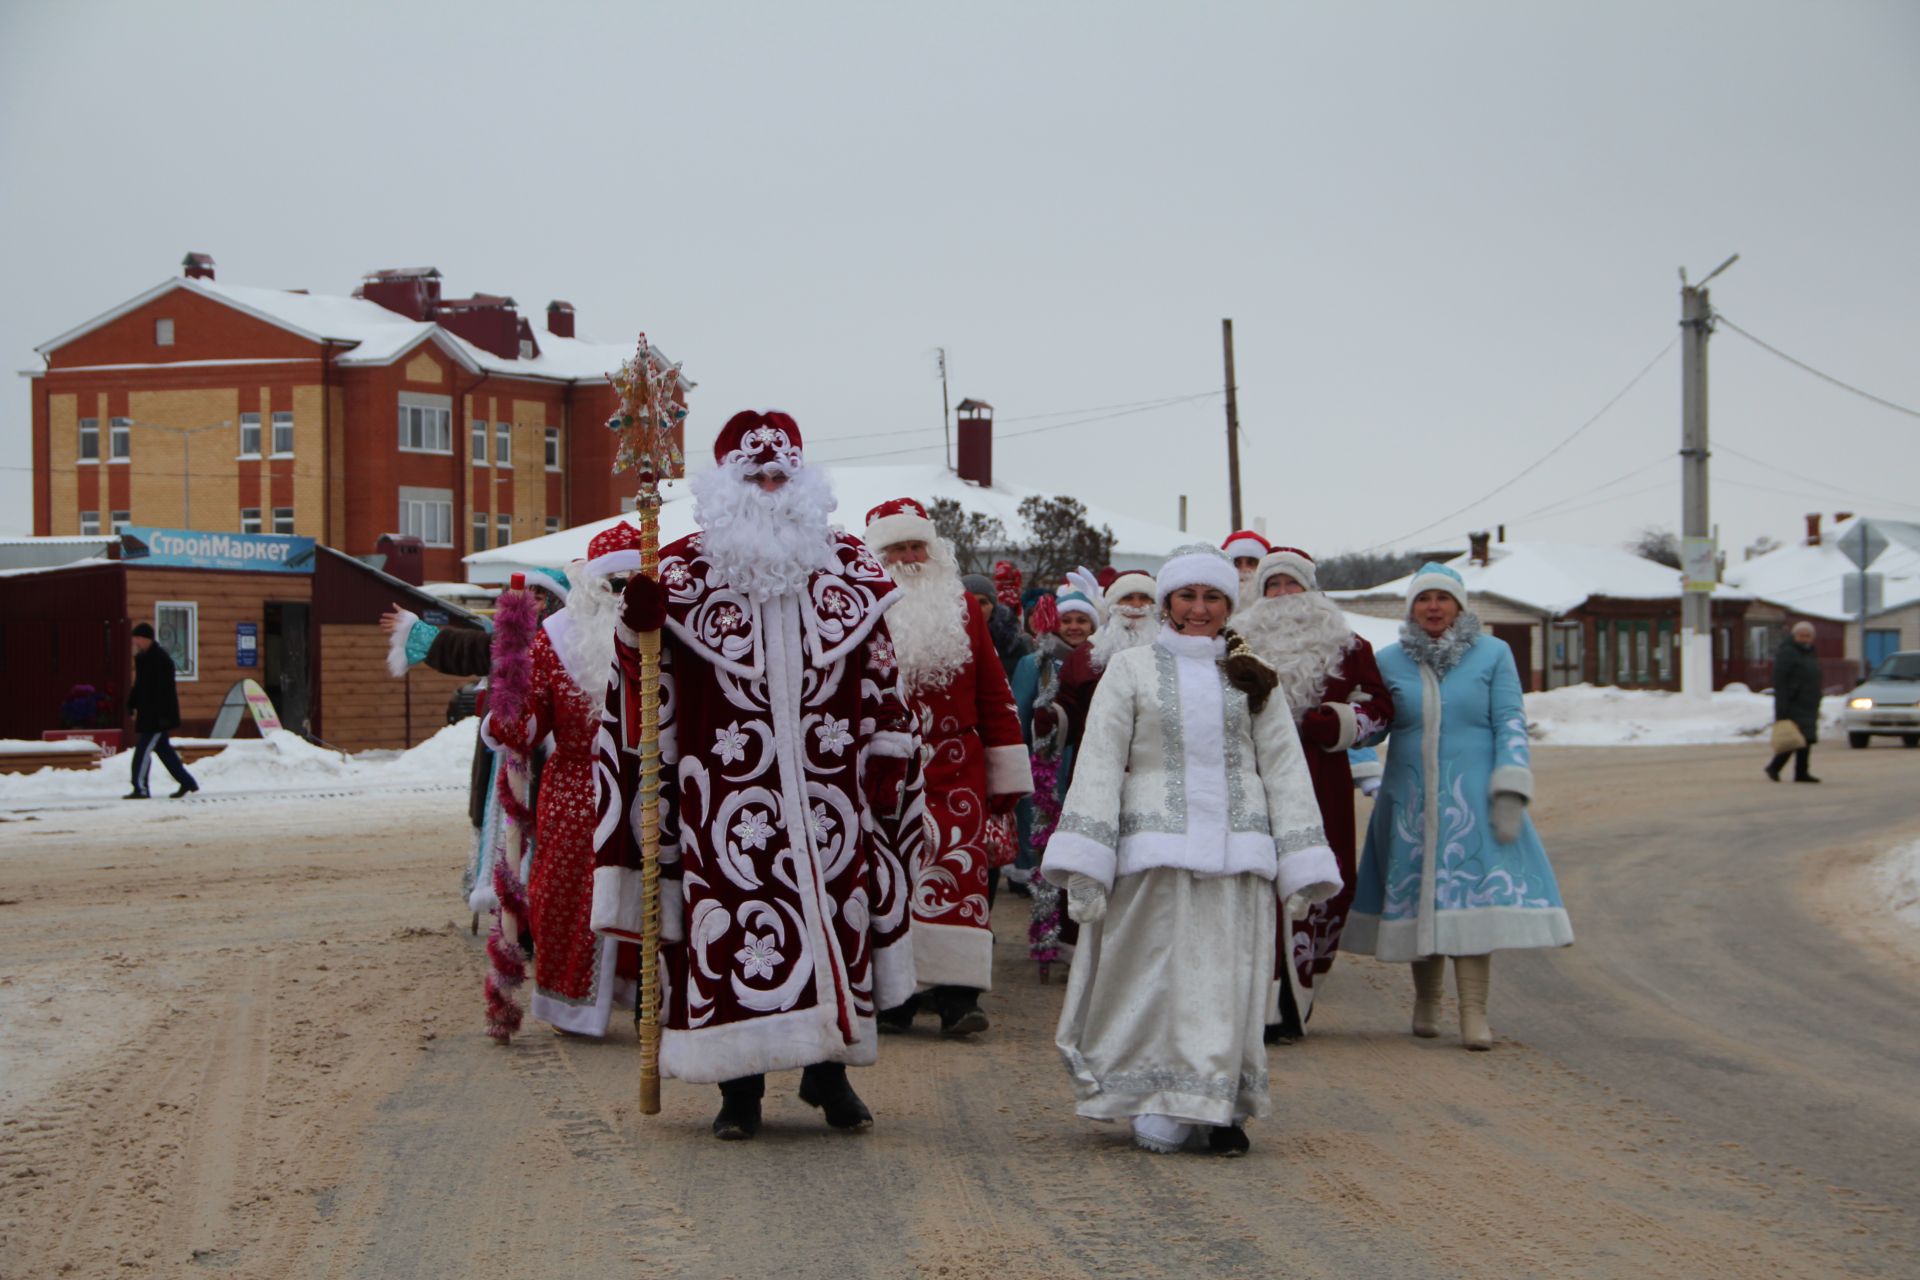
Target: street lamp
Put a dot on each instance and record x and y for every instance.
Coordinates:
(186, 462)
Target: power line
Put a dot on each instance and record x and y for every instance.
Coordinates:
(1147, 407)
(1535, 465)
(1824, 377)
(1618, 497)
(1800, 493)
(1853, 495)
(1664, 459)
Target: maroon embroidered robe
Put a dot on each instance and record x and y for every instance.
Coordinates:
(975, 751)
(784, 893)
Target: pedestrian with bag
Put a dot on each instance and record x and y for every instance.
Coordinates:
(1796, 703)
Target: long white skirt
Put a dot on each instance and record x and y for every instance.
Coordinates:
(1167, 1002)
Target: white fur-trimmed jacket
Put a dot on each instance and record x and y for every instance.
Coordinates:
(1175, 771)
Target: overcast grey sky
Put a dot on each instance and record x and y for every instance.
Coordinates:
(1447, 233)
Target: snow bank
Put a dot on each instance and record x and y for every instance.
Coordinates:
(1898, 878)
(281, 762)
(1587, 715)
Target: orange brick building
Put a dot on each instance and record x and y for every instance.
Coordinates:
(211, 406)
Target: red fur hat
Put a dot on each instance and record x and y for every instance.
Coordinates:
(1245, 542)
(900, 520)
(615, 549)
(764, 441)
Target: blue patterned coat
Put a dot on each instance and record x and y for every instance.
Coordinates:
(1432, 879)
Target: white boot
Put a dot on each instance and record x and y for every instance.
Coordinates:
(1160, 1134)
(1429, 977)
(1471, 976)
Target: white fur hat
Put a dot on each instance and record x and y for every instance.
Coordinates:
(1198, 565)
(1292, 561)
(1434, 576)
(1126, 584)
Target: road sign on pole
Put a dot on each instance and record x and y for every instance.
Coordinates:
(1862, 544)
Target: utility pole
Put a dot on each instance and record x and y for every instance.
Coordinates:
(1697, 553)
(1233, 425)
(186, 462)
(946, 415)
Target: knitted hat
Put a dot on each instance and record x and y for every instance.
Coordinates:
(1292, 561)
(615, 549)
(1246, 542)
(764, 441)
(1006, 581)
(144, 630)
(1434, 576)
(1126, 584)
(1073, 602)
(1198, 565)
(977, 584)
(901, 520)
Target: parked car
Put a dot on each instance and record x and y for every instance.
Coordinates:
(1887, 703)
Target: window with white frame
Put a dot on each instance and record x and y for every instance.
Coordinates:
(283, 435)
(426, 423)
(249, 435)
(503, 531)
(89, 439)
(283, 520)
(120, 520)
(249, 519)
(427, 514)
(479, 432)
(89, 522)
(163, 332)
(479, 531)
(553, 448)
(553, 524)
(503, 444)
(121, 440)
(176, 627)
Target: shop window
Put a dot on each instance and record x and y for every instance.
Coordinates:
(249, 435)
(121, 441)
(176, 626)
(283, 435)
(553, 448)
(89, 523)
(503, 444)
(426, 423)
(479, 434)
(479, 531)
(283, 520)
(163, 332)
(249, 519)
(89, 439)
(503, 531)
(427, 514)
(119, 521)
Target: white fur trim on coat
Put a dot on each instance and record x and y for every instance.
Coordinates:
(1313, 872)
(397, 644)
(1516, 778)
(894, 744)
(952, 955)
(894, 977)
(771, 1042)
(1009, 771)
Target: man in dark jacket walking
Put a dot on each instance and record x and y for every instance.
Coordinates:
(1796, 697)
(156, 712)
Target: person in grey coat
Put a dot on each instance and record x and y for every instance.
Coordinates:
(1796, 697)
(155, 703)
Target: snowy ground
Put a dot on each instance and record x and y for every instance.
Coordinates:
(1586, 715)
(1898, 877)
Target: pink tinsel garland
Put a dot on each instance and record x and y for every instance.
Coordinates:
(510, 681)
(1043, 934)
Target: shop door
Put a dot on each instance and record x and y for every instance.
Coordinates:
(1519, 638)
(289, 673)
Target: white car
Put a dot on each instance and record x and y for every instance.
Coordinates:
(1887, 703)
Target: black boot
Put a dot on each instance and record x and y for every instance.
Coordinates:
(739, 1117)
(824, 1085)
(1228, 1140)
(899, 1018)
(959, 1009)
(187, 788)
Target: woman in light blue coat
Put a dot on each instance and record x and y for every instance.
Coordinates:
(1452, 864)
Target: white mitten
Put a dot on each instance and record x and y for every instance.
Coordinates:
(1509, 810)
(1086, 900)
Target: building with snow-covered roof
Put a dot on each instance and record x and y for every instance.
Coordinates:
(1576, 614)
(1138, 544)
(394, 411)
(1818, 581)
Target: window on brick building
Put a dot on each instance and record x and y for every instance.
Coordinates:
(163, 333)
(120, 442)
(426, 423)
(120, 520)
(89, 522)
(479, 531)
(249, 519)
(249, 435)
(553, 524)
(283, 519)
(427, 514)
(503, 444)
(553, 448)
(479, 442)
(283, 435)
(503, 531)
(89, 439)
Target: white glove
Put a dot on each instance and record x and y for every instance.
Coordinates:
(1368, 786)
(1296, 906)
(1086, 900)
(1508, 811)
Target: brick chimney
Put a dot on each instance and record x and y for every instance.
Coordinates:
(1477, 543)
(1840, 517)
(560, 318)
(976, 442)
(409, 291)
(487, 320)
(1813, 528)
(197, 266)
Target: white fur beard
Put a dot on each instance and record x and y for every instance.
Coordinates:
(929, 621)
(1121, 632)
(764, 543)
(592, 608)
(1302, 637)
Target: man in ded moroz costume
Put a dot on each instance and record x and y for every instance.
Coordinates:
(977, 760)
(789, 782)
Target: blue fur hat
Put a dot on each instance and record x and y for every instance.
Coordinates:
(1434, 576)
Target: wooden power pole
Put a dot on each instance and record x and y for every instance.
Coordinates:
(1233, 426)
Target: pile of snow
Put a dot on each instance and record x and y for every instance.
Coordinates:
(279, 763)
(1898, 879)
(1586, 715)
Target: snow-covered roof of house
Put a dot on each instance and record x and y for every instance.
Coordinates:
(1553, 577)
(1812, 580)
(1138, 544)
(376, 335)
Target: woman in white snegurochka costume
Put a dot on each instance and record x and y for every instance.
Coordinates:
(1191, 812)
(1452, 864)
